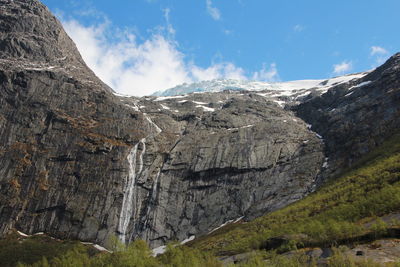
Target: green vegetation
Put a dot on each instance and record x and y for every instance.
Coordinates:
(30, 250)
(339, 259)
(137, 254)
(333, 215)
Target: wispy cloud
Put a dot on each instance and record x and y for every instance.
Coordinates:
(170, 29)
(343, 67)
(379, 54)
(224, 70)
(267, 74)
(213, 11)
(298, 28)
(227, 32)
(378, 50)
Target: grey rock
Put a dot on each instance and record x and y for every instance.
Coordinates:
(356, 117)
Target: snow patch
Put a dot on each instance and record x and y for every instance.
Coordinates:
(325, 165)
(206, 108)
(226, 223)
(162, 98)
(199, 103)
(135, 108)
(159, 250)
(22, 234)
(188, 239)
(41, 68)
(100, 248)
(121, 95)
(360, 85)
(242, 127)
(280, 103)
(165, 107)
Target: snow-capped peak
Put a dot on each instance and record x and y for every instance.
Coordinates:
(274, 89)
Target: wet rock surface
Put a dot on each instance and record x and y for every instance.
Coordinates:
(77, 161)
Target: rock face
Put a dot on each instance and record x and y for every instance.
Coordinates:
(232, 155)
(355, 117)
(64, 137)
(78, 161)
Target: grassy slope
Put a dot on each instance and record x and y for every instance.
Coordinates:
(14, 248)
(333, 214)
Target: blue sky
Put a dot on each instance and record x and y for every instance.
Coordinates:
(141, 46)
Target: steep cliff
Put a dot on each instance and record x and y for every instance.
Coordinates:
(64, 136)
(78, 161)
(354, 118)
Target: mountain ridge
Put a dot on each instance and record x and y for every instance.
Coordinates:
(218, 85)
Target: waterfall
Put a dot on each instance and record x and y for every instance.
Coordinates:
(143, 141)
(127, 209)
(153, 198)
(127, 202)
(158, 129)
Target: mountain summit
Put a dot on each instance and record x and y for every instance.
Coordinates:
(291, 88)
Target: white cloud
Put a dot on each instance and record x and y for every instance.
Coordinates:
(170, 28)
(227, 32)
(127, 66)
(225, 70)
(298, 28)
(379, 54)
(141, 68)
(213, 11)
(267, 74)
(343, 67)
(378, 50)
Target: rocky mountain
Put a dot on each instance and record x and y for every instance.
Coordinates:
(79, 161)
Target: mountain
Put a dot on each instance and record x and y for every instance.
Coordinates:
(292, 88)
(78, 161)
(64, 136)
